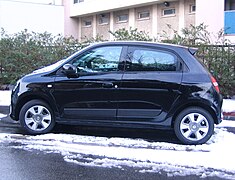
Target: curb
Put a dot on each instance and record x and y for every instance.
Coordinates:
(229, 115)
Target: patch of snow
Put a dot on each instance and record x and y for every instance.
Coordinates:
(5, 98)
(226, 123)
(215, 158)
(2, 116)
(228, 105)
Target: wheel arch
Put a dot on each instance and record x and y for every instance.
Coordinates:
(29, 97)
(204, 106)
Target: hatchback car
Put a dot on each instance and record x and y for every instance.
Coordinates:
(122, 84)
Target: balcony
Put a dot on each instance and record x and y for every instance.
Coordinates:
(99, 6)
(229, 22)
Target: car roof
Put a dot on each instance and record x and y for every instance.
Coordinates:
(149, 44)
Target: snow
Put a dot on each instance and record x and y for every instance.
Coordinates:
(229, 105)
(213, 159)
(5, 98)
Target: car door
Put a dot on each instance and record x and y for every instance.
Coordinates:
(93, 94)
(149, 85)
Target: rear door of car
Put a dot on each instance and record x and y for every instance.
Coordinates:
(149, 85)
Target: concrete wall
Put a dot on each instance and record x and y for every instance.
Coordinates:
(171, 20)
(189, 17)
(102, 29)
(120, 25)
(71, 25)
(211, 13)
(146, 23)
(16, 16)
(86, 31)
(97, 6)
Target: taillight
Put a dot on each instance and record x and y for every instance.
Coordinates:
(215, 84)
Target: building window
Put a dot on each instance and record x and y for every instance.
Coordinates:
(229, 5)
(77, 1)
(168, 12)
(229, 23)
(192, 9)
(103, 19)
(229, 16)
(144, 15)
(122, 18)
(86, 23)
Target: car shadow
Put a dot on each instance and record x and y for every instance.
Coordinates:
(146, 134)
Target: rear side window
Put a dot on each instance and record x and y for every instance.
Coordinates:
(147, 59)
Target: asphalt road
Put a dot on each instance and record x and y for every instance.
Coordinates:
(17, 164)
(29, 165)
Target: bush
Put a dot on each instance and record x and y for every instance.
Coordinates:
(220, 61)
(130, 35)
(24, 52)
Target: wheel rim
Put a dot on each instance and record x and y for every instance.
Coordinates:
(194, 126)
(38, 118)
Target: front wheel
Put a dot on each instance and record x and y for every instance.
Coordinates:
(36, 117)
(194, 126)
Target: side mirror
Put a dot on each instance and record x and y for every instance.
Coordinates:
(70, 71)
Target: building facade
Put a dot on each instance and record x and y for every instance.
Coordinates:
(89, 18)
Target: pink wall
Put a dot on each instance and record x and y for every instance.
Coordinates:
(70, 24)
(211, 13)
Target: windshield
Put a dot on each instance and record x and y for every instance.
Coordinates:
(50, 67)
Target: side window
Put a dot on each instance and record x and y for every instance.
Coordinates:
(101, 59)
(144, 59)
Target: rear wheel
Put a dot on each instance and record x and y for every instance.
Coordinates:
(194, 126)
(36, 117)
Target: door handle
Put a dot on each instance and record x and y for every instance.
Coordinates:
(107, 85)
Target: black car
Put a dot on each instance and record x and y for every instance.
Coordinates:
(122, 84)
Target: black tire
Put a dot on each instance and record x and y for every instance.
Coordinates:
(36, 117)
(194, 126)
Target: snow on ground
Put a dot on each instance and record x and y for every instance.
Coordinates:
(215, 158)
(229, 105)
(5, 98)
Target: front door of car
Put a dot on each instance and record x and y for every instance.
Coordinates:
(93, 94)
(149, 85)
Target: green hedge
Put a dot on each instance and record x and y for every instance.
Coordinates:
(23, 52)
(220, 60)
